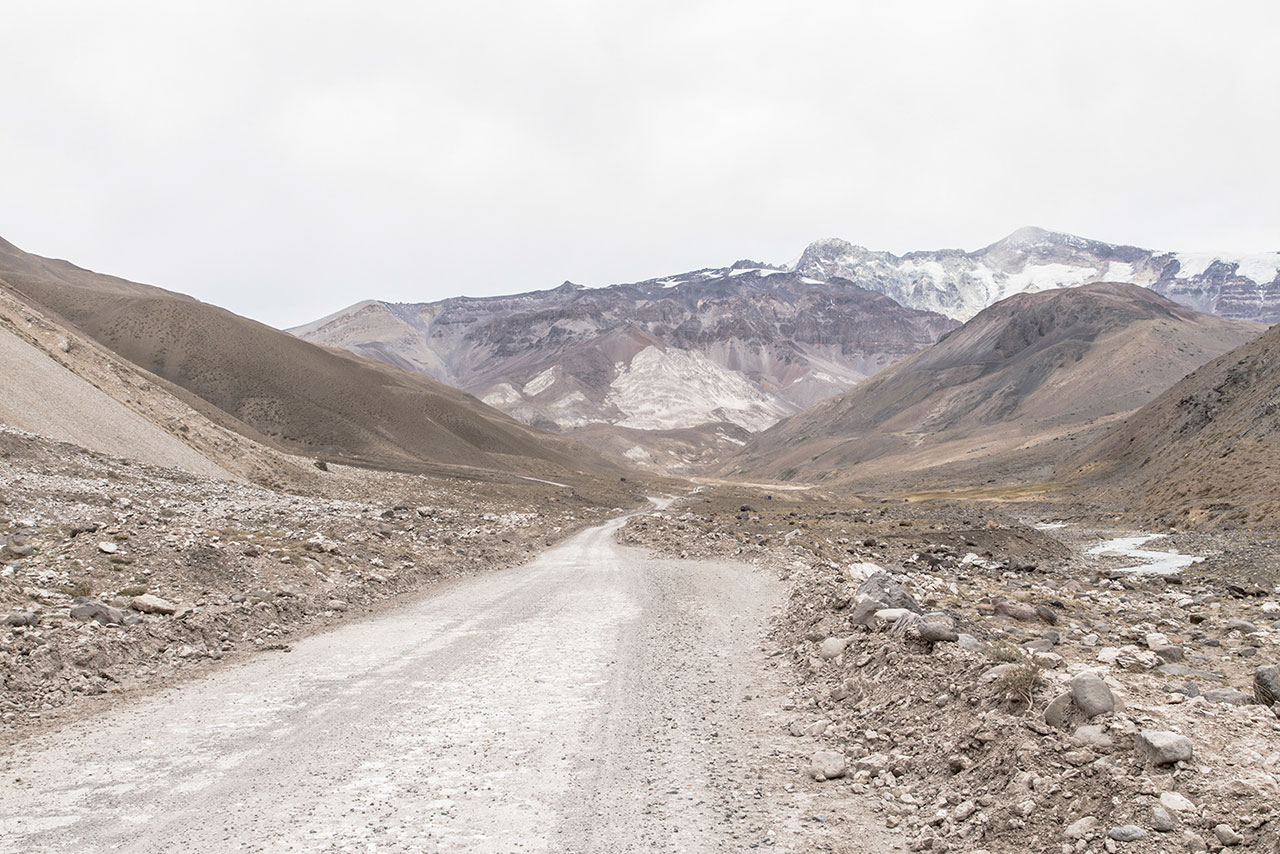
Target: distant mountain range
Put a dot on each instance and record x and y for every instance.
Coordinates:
(728, 351)
(960, 284)
(995, 395)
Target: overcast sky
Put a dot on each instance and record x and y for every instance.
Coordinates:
(287, 159)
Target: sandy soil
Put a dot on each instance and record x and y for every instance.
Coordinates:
(593, 700)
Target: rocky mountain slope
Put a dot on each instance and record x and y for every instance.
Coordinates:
(1204, 453)
(1024, 373)
(275, 389)
(959, 284)
(744, 345)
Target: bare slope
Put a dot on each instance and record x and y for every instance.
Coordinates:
(744, 345)
(1030, 369)
(275, 387)
(1206, 452)
(44, 397)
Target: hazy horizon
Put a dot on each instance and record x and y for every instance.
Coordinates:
(285, 167)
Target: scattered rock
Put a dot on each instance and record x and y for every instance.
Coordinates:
(28, 619)
(98, 612)
(832, 648)
(934, 632)
(149, 604)
(1227, 835)
(1081, 828)
(1016, 610)
(1055, 714)
(828, 765)
(1161, 819)
(1266, 685)
(1091, 695)
(108, 548)
(1160, 747)
(1176, 802)
(1230, 696)
(1127, 833)
(884, 589)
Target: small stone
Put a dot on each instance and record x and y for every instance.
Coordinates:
(1244, 627)
(1160, 747)
(1081, 828)
(1016, 610)
(892, 615)
(1266, 685)
(864, 612)
(832, 648)
(1194, 841)
(1055, 714)
(827, 765)
(1176, 802)
(1161, 820)
(1227, 835)
(150, 604)
(932, 632)
(884, 589)
(1092, 736)
(1229, 696)
(1092, 696)
(99, 613)
(1127, 833)
(108, 547)
(27, 619)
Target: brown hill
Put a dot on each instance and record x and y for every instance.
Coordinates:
(1206, 453)
(276, 388)
(988, 399)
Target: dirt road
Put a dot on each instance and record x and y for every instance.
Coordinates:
(593, 700)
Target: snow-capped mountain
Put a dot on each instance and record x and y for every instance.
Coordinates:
(960, 284)
(739, 346)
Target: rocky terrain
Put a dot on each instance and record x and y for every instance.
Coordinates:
(1203, 454)
(740, 346)
(118, 576)
(994, 686)
(1002, 397)
(959, 284)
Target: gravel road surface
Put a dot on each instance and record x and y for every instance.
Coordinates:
(593, 700)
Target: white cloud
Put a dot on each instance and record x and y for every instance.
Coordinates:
(285, 160)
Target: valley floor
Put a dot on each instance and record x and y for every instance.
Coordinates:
(593, 700)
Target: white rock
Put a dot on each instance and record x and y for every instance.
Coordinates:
(892, 615)
(828, 765)
(1176, 801)
(108, 548)
(832, 647)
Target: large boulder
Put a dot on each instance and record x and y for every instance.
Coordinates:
(890, 593)
(1092, 696)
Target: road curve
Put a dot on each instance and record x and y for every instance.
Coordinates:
(592, 700)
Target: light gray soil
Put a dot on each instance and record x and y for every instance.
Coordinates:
(593, 700)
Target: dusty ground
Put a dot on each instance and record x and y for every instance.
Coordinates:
(594, 700)
(951, 737)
